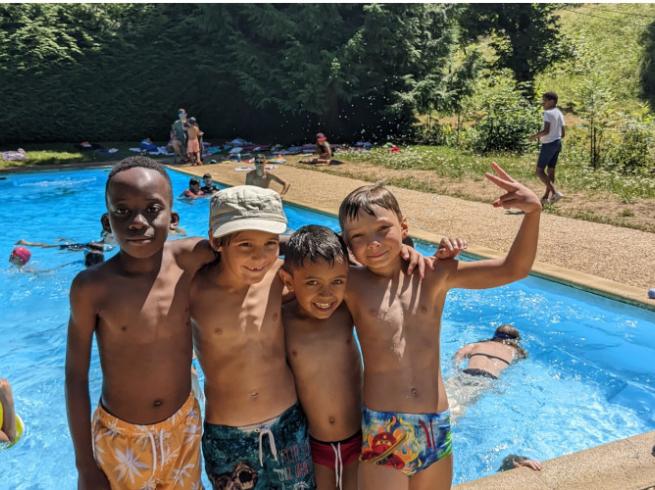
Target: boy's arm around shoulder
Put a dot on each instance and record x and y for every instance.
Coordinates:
(192, 253)
(82, 323)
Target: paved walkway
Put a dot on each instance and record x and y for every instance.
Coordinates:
(623, 255)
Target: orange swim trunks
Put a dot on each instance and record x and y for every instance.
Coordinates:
(165, 455)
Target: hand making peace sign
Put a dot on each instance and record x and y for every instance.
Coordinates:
(517, 196)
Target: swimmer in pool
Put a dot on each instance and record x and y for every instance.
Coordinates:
(486, 361)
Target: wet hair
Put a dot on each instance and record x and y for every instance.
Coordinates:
(194, 182)
(93, 257)
(364, 198)
(509, 335)
(511, 461)
(206, 176)
(550, 96)
(140, 162)
(314, 243)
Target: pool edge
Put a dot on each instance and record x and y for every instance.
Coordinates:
(620, 465)
(580, 280)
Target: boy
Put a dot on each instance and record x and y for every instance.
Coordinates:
(322, 352)
(209, 187)
(324, 358)
(263, 178)
(255, 432)
(551, 144)
(406, 442)
(194, 191)
(146, 429)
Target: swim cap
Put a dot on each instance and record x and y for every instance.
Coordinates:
(22, 254)
(320, 136)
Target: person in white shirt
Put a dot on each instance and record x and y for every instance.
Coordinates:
(551, 144)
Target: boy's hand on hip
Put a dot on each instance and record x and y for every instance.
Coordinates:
(517, 196)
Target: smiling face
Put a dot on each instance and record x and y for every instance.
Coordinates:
(375, 239)
(319, 286)
(139, 205)
(248, 255)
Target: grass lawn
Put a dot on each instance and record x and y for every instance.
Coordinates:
(599, 196)
(61, 153)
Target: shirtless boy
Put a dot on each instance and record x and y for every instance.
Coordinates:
(255, 431)
(146, 429)
(322, 352)
(263, 178)
(406, 440)
(320, 344)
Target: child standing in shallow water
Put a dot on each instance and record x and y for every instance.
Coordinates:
(406, 440)
(145, 432)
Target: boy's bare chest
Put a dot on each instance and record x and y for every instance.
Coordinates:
(145, 309)
(232, 319)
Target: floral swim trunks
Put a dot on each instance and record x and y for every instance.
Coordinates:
(408, 442)
(164, 455)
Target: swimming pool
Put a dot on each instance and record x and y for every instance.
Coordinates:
(589, 377)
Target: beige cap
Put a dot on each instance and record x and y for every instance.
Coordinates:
(246, 207)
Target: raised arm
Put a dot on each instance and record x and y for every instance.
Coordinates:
(518, 262)
(78, 353)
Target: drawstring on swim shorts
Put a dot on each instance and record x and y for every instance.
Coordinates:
(271, 443)
(154, 450)
(338, 464)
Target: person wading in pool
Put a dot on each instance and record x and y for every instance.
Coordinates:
(486, 361)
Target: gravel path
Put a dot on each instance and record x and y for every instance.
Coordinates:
(623, 255)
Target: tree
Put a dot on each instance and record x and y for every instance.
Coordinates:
(647, 68)
(526, 37)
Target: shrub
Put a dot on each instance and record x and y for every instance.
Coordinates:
(507, 120)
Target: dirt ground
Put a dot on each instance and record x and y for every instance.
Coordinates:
(609, 209)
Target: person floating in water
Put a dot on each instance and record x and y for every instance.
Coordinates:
(513, 461)
(194, 191)
(209, 187)
(20, 256)
(487, 359)
(261, 177)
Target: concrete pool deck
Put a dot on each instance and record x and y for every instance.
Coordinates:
(610, 260)
(627, 464)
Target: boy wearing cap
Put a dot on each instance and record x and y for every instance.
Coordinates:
(261, 177)
(255, 431)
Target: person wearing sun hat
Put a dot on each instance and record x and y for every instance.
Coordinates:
(255, 430)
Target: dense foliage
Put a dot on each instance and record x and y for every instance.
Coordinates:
(281, 71)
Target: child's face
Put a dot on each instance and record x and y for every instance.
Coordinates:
(547, 103)
(250, 254)
(139, 205)
(207, 181)
(375, 240)
(195, 187)
(319, 286)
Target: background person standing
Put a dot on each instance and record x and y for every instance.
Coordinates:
(551, 144)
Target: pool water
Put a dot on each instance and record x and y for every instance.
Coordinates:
(589, 377)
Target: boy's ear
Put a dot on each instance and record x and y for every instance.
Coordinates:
(175, 220)
(286, 278)
(404, 228)
(104, 220)
(213, 243)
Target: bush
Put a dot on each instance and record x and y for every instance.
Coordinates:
(507, 120)
(633, 151)
(435, 133)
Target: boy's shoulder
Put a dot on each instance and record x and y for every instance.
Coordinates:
(95, 279)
